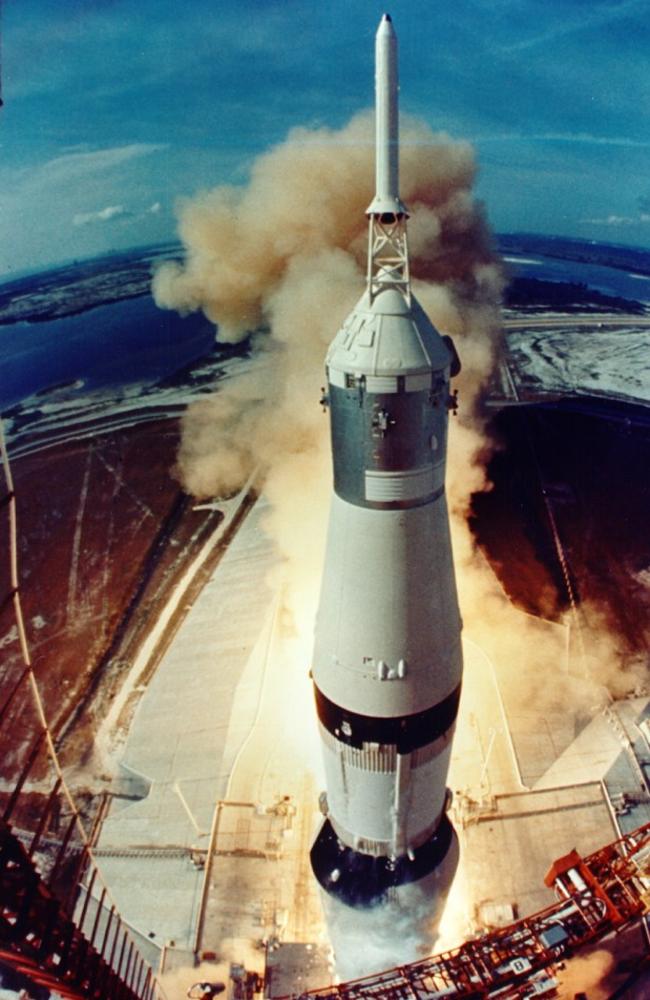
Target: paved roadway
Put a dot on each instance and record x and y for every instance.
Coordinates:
(567, 320)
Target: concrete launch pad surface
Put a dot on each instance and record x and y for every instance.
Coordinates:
(508, 845)
(294, 968)
(259, 883)
(182, 744)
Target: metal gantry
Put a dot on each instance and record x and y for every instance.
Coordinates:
(58, 925)
(92, 957)
(597, 895)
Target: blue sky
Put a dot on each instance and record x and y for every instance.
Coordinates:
(115, 108)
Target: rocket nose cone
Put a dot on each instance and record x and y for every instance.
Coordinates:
(386, 26)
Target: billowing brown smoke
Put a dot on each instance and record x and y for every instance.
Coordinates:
(286, 256)
(308, 196)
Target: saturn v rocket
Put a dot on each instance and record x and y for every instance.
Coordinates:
(387, 657)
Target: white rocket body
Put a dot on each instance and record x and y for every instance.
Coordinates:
(387, 657)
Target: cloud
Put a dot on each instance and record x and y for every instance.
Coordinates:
(103, 215)
(643, 218)
(595, 140)
(74, 165)
(595, 17)
(584, 138)
(112, 212)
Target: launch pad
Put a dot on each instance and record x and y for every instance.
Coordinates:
(257, 888)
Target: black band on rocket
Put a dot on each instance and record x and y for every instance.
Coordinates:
(406, 732)
(362, 880)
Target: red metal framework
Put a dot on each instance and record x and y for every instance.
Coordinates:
(598, 894)
(58, 926)
(39, 937)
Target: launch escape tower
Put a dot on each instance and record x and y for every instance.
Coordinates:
(387, 657)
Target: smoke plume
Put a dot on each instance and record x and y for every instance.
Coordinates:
(285, 258)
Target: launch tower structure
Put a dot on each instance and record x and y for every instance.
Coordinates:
(387, 656)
